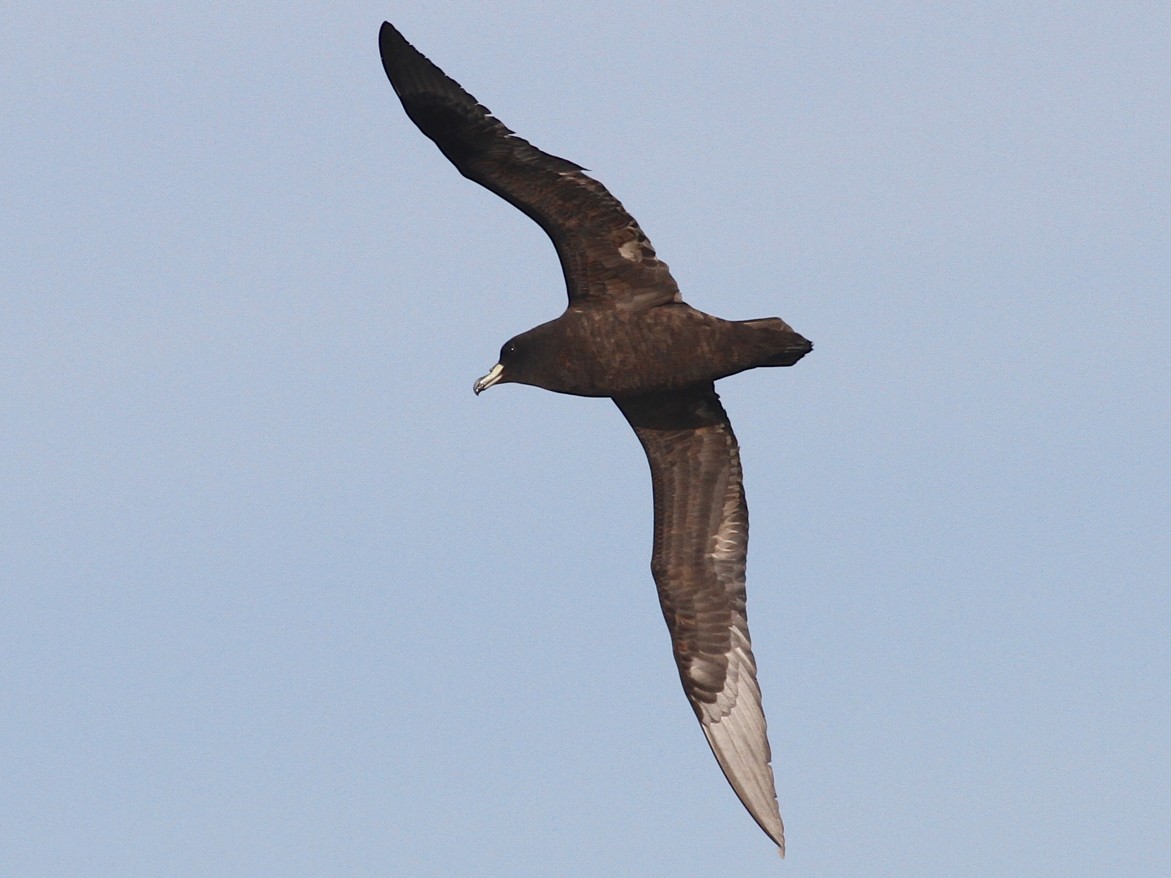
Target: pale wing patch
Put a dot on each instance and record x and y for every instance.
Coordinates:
(738, 740)
(631, 250)
(734, 723)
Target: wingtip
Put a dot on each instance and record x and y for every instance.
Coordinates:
(388, 38)
(739, 741)
(779, 840)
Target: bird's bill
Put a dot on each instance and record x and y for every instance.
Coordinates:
(488, 380)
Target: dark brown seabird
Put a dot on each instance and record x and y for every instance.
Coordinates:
(627, 334)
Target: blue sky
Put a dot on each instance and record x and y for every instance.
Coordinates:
(279, 596)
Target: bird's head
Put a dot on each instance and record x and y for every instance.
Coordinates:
(538, 357)
(516, 360)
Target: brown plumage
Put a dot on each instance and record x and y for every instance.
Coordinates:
(628, 335)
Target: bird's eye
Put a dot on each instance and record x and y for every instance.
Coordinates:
(510, 349)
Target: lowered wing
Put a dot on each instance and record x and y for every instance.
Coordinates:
(700, 547)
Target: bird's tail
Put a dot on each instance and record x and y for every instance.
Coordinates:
(779, 344)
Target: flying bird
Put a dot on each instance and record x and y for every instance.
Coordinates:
(627, 334)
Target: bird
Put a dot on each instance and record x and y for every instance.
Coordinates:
(627, 334)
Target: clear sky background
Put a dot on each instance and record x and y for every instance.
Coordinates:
(280, 597)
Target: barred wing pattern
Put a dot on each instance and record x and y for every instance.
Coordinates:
(698, 562)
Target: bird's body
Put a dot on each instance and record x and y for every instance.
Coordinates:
(627, 334)
(617, 352)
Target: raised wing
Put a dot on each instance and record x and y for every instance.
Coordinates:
(605, 256)
(700, 547)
